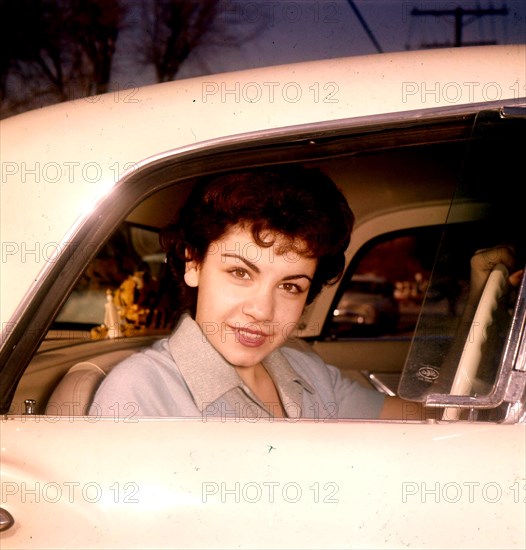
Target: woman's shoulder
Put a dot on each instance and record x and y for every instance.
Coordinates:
(143, 380)
(351, 399)
(306, 362)
(143, 365)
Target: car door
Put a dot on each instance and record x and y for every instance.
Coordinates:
(82, 481)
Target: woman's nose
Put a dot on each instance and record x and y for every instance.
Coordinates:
(259, 304)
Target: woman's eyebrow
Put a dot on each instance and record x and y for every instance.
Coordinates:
(248, 263)
(256, 269)
(299, 276)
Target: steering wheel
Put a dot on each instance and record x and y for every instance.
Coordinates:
(472, 353)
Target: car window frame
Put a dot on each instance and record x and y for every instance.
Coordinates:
(303, 143)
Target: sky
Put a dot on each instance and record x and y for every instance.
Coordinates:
(291, 31)
(275, 32)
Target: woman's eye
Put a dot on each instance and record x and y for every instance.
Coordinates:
(239, 273)
(291, 287)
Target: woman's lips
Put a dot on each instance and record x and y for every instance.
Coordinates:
(249, 337)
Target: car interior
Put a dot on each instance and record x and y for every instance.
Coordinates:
(427, 194)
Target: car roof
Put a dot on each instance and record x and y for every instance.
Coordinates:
(60, 161)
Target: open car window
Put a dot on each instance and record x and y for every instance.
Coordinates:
(400, 189)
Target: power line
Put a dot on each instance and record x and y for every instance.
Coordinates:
(459, 13)
(365, 26)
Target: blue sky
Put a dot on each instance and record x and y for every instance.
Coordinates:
(297, 30)
(309, 29)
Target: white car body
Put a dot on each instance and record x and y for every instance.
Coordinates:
(82, 482)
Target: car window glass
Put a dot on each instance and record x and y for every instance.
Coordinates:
(130, 273)
(443, 343)
(384, 288)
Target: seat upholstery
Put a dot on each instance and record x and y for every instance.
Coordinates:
(75, 391)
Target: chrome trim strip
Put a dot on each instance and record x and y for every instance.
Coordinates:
(301, 143)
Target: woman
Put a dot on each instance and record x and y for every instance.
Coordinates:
(248, 252)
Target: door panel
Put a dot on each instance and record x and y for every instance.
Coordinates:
(221, 484)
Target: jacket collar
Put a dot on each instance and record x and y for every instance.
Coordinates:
(209, 376)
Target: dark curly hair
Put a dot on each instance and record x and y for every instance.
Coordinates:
(303, 205)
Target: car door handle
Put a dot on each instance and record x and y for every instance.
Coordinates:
(6, 520)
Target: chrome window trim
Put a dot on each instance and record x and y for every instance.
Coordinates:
(302, 143)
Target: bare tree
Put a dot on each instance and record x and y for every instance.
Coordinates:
(54, 50)
(96, 25)
(35, 45)
(172, 29)
(12, 13)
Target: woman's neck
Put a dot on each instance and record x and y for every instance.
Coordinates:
(260, 382)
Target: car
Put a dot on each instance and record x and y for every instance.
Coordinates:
(368, 301)
(428, 148)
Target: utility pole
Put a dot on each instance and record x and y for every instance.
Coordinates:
(459, 14)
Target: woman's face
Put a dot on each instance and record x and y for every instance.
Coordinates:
(249, 298)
